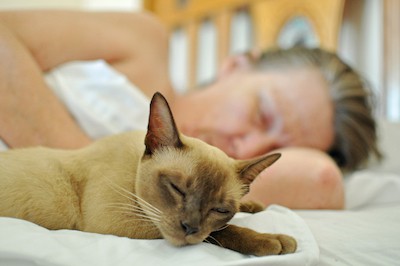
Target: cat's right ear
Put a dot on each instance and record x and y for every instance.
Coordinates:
(161, 130)
(249, 169)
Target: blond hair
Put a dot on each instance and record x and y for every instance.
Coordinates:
(354, 124)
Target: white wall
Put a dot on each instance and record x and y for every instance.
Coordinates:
(361, 40)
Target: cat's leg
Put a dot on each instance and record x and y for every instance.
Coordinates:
(251, 207)
(247, 241)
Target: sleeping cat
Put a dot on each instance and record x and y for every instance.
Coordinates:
(158, 184)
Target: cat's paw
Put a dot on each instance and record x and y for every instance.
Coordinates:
(251, 207)
(250, 242)
(288, 243)
(274, 245)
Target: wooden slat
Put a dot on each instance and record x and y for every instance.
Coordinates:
(223, 26)
(198, 10)
(192, 30)
(148, 4)
(269, 17)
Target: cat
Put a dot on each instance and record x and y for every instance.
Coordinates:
(142, 185)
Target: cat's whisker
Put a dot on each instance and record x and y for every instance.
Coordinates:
(147, 216)
(139, 213)
(205, 240)
(150, 211)
(147, 212)
(129, 206)
(133, 209)
(121, 204)
(144, 218)
(215, 240)
(140, 200)
(222, 228)
(129, 196)
(145, 204)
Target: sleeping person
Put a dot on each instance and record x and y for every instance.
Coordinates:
(71, 77)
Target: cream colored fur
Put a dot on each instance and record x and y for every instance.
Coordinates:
(155, 185)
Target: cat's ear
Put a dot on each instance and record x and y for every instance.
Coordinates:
(249, 169)
(161, 130)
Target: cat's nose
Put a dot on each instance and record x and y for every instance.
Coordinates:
(189, 229)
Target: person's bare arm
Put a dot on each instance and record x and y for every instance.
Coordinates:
(302, 178)
(29, 113)
(35, 41)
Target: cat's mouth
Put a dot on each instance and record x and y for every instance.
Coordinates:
(181, 239)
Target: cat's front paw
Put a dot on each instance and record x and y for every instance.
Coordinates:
(288, 243)
(251, 207)
(274, 245)
(250, 242)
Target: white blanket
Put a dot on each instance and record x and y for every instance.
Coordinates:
(24, 243)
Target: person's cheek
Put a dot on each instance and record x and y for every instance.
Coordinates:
(233, 122)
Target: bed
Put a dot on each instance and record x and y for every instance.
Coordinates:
(366, 232)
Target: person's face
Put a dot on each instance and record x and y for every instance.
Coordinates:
(248, 113)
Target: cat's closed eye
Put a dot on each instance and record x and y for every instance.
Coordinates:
(176, 189)
(220, 210)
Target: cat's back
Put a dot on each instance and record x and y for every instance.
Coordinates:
(28, 160)
(121, 147)
(42, 182)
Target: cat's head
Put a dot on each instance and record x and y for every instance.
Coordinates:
(196, 188)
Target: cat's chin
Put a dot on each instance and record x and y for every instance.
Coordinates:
(183, 241)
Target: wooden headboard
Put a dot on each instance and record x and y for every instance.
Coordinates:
(268, 17)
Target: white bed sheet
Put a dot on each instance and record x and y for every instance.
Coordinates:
(24, 243)
(366, 233)
(367, 237)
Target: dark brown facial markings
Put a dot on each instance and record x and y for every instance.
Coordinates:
(202, 200)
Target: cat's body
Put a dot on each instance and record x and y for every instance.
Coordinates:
(155, 185)
(71, 189)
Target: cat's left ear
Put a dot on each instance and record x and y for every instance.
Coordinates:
(161, 130)
(249, 169)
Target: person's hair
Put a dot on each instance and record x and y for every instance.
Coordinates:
(355, 136)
